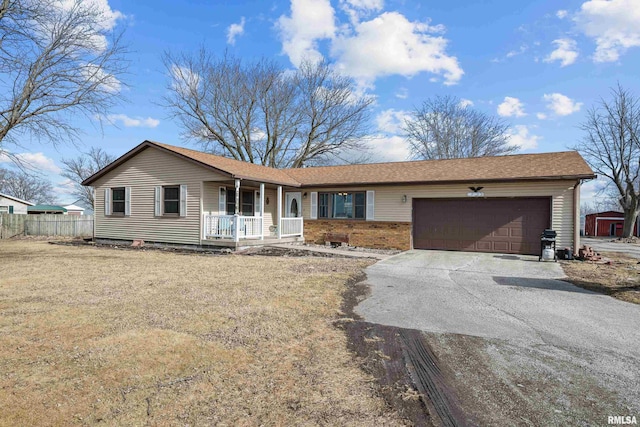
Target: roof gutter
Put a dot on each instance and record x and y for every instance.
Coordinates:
(526, 179)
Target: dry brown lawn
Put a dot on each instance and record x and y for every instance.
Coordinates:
(95, 335)
(620, 277)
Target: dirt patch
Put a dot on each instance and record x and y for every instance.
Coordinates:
(288, 252)
(619, 276)
(632, 239)
(503, 383)
(348, 248)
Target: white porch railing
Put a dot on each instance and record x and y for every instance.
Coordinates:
(238, 227)
(291, 227)
(232, 227)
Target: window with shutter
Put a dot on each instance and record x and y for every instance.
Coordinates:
(127, 201)
(117, 201)
(157, 201)
(341, 205)
(371, 205)
(171, 200)
(183, 200)
(222, 201)
(314, 205)
(107, 201)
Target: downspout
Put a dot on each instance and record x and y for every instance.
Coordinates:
(576, 217)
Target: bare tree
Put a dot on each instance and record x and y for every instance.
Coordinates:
(26, 186)
(57, 59)
(261, 113)
(82, 167)
(445, 128)
(611, 146)
(600, 205)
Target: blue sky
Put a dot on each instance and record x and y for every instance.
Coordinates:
(539, 65)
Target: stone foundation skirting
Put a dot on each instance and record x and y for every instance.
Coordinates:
(366, 234)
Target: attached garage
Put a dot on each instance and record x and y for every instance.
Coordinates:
(502, 225)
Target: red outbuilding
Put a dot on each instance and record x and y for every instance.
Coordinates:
(605, 224)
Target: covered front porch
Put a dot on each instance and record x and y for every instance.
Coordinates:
(247, 213)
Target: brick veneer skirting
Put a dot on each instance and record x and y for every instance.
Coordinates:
(366, 234)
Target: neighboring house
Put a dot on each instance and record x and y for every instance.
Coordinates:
(46, 209)
(609, 223)
(74, 210)
(167, 194)
(13, 205)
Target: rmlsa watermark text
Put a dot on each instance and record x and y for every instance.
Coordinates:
(622, 420)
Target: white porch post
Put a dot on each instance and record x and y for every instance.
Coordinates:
(237, 201)
(236, 217)
(279, 216)
(262, 211)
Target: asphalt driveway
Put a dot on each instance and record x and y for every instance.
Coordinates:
(523, 321)
(608, 244)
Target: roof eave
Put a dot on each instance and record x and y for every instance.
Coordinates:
(266, 181)
(129, 154)
(432, 182)
(15, 199)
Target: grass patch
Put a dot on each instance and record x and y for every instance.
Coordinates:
(619, 278)
(92, 335)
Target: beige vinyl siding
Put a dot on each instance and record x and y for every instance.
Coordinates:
(143, 172)
(389, 205)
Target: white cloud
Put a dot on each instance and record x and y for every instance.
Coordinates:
(561, 14)
(235, 30)
(391, 44)
(522, 49)
(541, 116)
(388, 44)
(521, 137)
(36, 161)
(106, 82)
(132, 122)
(464, 103)
(560, 104)
(108, 18)
(402, 93)
(511, 107)
(184, 80)
(391, 121)
(389, 149)
(357, 9)
(365, 4)
(566, 52)
(64, 189)
(613, 24)
(310, 21)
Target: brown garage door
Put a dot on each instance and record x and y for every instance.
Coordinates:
(509, 225)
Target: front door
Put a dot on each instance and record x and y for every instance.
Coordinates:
(293, 205)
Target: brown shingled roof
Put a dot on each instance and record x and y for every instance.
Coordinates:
(233, 168)
(568, 164)
(237, 168)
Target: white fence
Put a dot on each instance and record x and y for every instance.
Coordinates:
(45, 225)
(291, 227)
